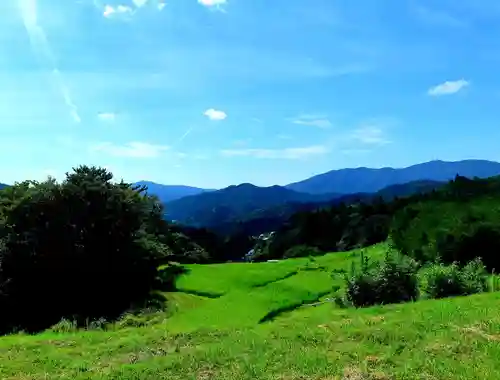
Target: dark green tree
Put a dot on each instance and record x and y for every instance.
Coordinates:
(82, 249)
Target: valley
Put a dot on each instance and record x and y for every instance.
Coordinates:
(399, 283)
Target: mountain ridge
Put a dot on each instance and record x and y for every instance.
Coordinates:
(363, 179)
(243, 202)
(233, 202)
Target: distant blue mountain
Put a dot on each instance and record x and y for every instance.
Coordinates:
(168, 193)
(365, 180)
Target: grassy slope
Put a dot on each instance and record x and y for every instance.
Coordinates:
(221, 338)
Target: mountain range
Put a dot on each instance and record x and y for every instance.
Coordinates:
(366, 180)
(246, 202)
(260, 208)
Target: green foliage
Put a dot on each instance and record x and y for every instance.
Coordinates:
(82, 249)
(450, 231)
(394, 280)
(457, 221)
(302, 251)
(64, 326)
(440, 281)
(141, 319)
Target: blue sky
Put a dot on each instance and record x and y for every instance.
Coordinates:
(211, 93)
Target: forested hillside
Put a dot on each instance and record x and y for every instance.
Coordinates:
(422, 224)
(235, 203)
(348, 222)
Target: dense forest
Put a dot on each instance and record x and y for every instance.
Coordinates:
(430, 218)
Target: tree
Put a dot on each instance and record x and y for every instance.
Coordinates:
(82, 249)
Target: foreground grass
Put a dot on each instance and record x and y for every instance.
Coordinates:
(251, 326)
(446, 339)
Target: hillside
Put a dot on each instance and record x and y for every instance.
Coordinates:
(364, 220)
(255, 324)
(366, 180)
(167, 193)
(234, 203)
(273, 218)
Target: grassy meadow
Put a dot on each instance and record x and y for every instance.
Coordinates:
(253, 321)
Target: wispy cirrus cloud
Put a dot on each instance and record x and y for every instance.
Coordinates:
(43, 52)
(319, 121)
(133, 149)
(369, 135)
(448, 88)
(295, 153)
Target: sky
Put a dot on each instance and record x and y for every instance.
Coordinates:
(211, 93)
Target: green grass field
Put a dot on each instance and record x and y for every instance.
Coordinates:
(254, 322)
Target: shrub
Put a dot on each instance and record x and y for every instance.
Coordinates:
(440, 281)
(302, 251)
(81, 249)
(392, 281)
(64, 326)
(360, 284)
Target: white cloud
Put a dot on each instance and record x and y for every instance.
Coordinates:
(448, 87)
(110, 11)
(161, 6)
(133, 149)
(214, 114)
(139, 3)
(286, 153)
(370, 135)
(212, 3)
(318, 121)
(107, 116)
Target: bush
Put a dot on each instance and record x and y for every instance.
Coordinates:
(302, 251)
(440, 281)
(392, 281)
(64, 326)
(79, 250)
